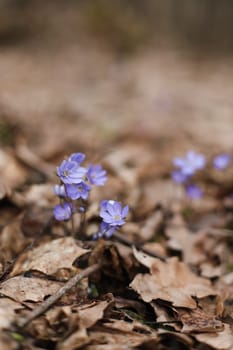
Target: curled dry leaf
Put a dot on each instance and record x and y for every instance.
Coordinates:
(151, 225)
(134, 326)
(11, 233)
(171, 281)
(199, 321)
(50, 257)
(7, 311)
(127, 161)
(7, 343)
(181, 239)
(12, 172)
(41, 195)
(219, 341)
(90, 314)
(102, 336)
(157, 191)
(76, 341)
(22, 289)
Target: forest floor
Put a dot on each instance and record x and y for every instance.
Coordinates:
(165, 281)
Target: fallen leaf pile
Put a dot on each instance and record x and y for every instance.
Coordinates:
(163, 282)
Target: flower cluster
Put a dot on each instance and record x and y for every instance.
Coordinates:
(76, 182)
(187, 166)
(113, 216)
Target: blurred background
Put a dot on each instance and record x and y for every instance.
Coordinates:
(78, 74)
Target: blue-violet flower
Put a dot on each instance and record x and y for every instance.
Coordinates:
(96, 175)
(59, 190)
(193, 191)
(62, 212)
(192, 162)
(70, 172)
(222, 161)
(77, 157)
(77, 191)
(112, 212)
(179, 177)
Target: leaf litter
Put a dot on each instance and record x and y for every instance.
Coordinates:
(181, 299)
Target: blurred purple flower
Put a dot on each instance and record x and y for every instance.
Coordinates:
(193, 191)
(70, 172)
(112, 212)
(189, 164)
(179, 177)
(59, 190)
(106, 230)
(76, 191)
(77, 157)
(222, 161)
(96, 175)
(62, 212)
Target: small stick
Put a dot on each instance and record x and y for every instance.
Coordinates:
(127, 242)
(38, 311)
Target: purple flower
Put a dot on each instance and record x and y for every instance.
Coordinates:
(179, 177)
(222, 161)
(192, 162)
(62, 212)
(59, 190)
(77, 157)
(106, 230)
(96, 175)
(70, 172)
(112, 213)
(193, 191)
(76, 191)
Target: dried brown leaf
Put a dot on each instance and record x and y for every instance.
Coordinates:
(11, 171)
(40, 194)
(50, 257)
(11, 233)
(171, 281)
(219, 341)
(22, 289)
(181, 239)
(76, 341)
(7, 312)
(199, 321)
(104, 336)
(90, 314)
(151, 225)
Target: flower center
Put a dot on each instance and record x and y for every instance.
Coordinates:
(65, 173)
(117, 217)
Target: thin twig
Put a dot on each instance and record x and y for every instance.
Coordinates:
(129, 243)
(54, 298)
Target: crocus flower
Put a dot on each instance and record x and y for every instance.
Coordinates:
(112, 213)
(222, 161)
(62, 212)
(70, 172)
(96, 175)
(193, 191)
(189, 164)
(76, 191)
